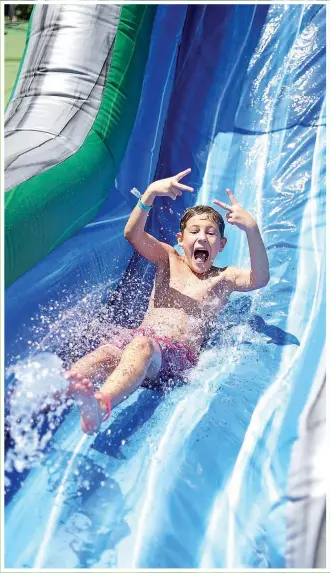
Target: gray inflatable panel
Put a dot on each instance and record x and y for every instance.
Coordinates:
(306, 526)
(60, 87)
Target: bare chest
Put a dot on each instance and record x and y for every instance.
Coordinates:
(178, 287)
(192, 287)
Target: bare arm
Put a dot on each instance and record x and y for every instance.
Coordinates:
(258, 275)
(145, 244)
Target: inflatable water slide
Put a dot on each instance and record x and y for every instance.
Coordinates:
(229, 469)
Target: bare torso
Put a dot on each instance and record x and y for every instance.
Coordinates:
(183, 305)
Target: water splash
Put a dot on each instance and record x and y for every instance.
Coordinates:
(36, 398)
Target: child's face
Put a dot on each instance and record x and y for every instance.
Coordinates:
(201, 242)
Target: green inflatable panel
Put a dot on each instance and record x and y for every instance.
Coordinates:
(57, 185)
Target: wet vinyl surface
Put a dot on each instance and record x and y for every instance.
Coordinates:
(193, 477)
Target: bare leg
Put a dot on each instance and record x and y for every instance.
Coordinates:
(140, 359)
(100, 362)
(95, 365)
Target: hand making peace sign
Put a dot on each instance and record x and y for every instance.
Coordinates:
(170, 187)
(236, 215)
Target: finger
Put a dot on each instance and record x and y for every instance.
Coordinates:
(172, 195)
(223, 205)
(179, 176)
(176, 190)
(183, 187)
(231, 196)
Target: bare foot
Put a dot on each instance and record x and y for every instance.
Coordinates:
(82, 391)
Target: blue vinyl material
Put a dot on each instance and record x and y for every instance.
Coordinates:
(195, 478)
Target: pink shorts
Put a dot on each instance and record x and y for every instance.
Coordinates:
(177, 357)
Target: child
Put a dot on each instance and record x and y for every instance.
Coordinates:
(188, 293)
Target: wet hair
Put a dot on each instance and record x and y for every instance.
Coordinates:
(203, 210)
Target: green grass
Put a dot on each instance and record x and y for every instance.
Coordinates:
(14, 47)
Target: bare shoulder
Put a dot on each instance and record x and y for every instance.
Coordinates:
(221, 274)
(225, 278)
(169, 250)
(230, 273)
(171, 255)
(241, 280)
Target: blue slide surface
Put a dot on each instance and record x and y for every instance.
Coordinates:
(196, 477)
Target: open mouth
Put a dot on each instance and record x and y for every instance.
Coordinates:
(201, 255)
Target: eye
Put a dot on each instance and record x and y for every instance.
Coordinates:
(194, 232)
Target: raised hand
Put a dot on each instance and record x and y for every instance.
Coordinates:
(236, 214)
(170, 187)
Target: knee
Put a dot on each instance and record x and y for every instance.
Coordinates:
(145, 345)
(108, 353)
